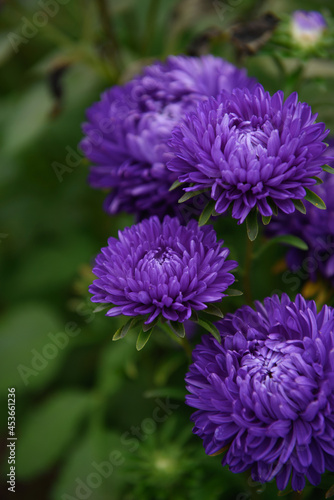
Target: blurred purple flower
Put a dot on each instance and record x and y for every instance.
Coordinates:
(307, 27)
(128, 129)
(267, 392)
(249, 149)
(162, 268)
(315, 227)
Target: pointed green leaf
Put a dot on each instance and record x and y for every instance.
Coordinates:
(210, 328)
(232, 292)
(252, 225)
(194, 316)
(328, 168)
(314, 199)
(178, 329)
(190, 194)
(318, 180)
(150, 325)
(273, 206)
(175, 185)
(206, 214)
(266, 219)
(142, 339)
(291, 240)
(299, 205)
(213, 310)
(330, 492)
(124, 330)
(101, 308)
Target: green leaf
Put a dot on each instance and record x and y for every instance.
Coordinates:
(132, 324)
(102, 307)
(252, 225)
(150, 325)
(273, 206)
(175, 185)
(328, 168)
(314, 199)
(291, 240)
(96, 446)
(266, 219)
(28, 335)
(213, 310)
(232, 292)
(206, 214)
(299, 205)
(318, 181)
(330, 492)
(178, 329)
(210, 328)
(190, 194)
(142, 339)
(48, 430)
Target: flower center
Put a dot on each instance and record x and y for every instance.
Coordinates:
(263, 363)
(162, 254)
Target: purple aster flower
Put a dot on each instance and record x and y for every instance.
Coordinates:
(128, 130)
(307, 28)
(267, 391)
(315, 228)
(162, 268)
(250, 150)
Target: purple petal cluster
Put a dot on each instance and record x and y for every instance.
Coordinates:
(267, 391)
(162, 268)
(307, 27)
(127, 131)
(316, 228)
(250, 149)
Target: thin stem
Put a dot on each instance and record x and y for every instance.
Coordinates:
(247, 271)
(181, 341)
(151, 24)
(106, 22)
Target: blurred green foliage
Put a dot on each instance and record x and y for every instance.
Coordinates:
(83, 400)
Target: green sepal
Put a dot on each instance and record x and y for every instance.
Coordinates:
(299, 205)
(190, 194)
(175, 185)
(143, 338)
(124, 330)
(213, 310)
(150, 325)
(291, 240)
(273, 206)
(206, 214)
(328, 168)
(233, 292)
(252, 225)
(101, 307)
(178, 329)
(318, 181)
(210, 327)
(266, 219)
(314, 199)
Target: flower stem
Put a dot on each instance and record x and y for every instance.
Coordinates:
(106, 22)
(181, 341)
(247, 271)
